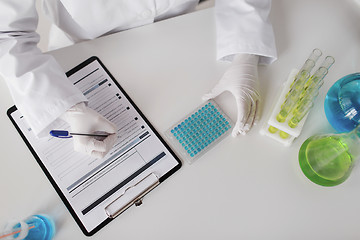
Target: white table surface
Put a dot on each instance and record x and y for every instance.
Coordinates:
(249, 187)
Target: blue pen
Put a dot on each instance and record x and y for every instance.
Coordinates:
(67, 134)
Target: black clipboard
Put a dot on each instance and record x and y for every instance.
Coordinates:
(135, 186)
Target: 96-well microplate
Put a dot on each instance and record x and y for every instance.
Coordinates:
(199, 131)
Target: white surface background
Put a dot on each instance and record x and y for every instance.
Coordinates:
(246, 187)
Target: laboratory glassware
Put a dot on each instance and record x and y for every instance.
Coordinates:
(328, 159)
(308, 96)
(342, 103)
(297, 85)
(35, 227)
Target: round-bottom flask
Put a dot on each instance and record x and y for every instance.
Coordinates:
(342, 103)
(327, 160)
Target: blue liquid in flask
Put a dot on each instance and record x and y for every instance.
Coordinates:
(41, 226)
(342, 103)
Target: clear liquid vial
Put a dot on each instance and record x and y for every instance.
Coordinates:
(328, 160)
(342, 103)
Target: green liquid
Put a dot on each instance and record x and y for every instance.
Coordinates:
(325, 161)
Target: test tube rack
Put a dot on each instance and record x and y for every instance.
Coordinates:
(296, 100)
(284, 134)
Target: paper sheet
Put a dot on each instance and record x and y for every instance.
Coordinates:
(90, 184)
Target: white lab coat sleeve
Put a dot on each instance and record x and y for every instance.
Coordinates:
(38, 85)
(242, 26)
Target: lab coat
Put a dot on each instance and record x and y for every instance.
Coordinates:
(39, 86)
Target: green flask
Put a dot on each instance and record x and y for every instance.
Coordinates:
(327, 160)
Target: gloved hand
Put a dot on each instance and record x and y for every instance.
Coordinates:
(85, 120)
(241, 79)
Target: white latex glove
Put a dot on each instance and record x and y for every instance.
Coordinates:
(241, 79)
(85, 120)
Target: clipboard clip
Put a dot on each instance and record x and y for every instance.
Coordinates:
(132, 195)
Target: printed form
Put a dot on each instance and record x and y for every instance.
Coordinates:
(90, 184)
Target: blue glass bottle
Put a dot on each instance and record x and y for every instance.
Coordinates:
(342, 103)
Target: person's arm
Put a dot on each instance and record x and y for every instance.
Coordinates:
(38, 85)
(245, 37)
(244, 27)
